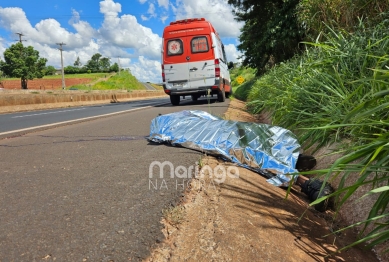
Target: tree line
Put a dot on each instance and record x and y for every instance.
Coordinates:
(275, 30)
(25, 63)
(97, 64)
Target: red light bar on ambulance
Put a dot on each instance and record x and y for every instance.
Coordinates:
(187, 21)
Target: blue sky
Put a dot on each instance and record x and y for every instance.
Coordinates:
(127, 31)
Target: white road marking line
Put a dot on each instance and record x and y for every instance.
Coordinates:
(46, 113)
(76, 120)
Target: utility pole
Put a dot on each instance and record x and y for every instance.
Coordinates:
(20, 37)
(23, 82)
(63, 72)
(20, 41)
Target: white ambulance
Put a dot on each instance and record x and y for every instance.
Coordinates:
(194, 61)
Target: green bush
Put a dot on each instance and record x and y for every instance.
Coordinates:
(339, 90)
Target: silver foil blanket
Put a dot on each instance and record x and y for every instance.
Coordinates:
(259, 147)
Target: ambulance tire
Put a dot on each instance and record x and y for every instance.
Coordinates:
(175, 100)
(228, 94)
(221, 95)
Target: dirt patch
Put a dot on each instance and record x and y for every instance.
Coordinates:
(45, 84)
(246, 219)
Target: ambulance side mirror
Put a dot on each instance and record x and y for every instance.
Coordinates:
(230, 65)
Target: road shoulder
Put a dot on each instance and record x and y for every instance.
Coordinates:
(247, 219)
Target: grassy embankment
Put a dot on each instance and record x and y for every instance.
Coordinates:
(123, 81)
(336, 91)
(102, 81)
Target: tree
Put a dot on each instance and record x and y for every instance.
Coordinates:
(71, 70)
(23, 62)
(114, 68)
(1, 77)
(271, 32)
(1, 72)
(104, 64)
(93, 64)
(49, 70)
(77, 63)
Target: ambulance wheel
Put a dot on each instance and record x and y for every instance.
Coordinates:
(228, 94)
(175, 100)
(221, 95)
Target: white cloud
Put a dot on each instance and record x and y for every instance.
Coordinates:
(115, 37)
(218, 12)
(164, 18)
(15, 20)
(232, 53)
(164, 3)
(109, 7)
(147, 70)
(46, 32)
(84, 31)
(75, 18)
(123, 62)
(49, 32)
(2, 48)
(119, 35)
(53, 55)
(126, 32)
(151, 10)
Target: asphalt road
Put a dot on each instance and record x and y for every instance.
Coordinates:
(82, 192)
(148, 86)
(15, 121)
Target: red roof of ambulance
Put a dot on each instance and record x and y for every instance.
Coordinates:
(188, 23)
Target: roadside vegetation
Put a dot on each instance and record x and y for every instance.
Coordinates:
(24, 63)
(103, 81)
(123, 81)
(336, 90)
(157, 87)
(93, 76)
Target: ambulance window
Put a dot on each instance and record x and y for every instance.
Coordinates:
(175, 47)
(199, 44)
(224, 55)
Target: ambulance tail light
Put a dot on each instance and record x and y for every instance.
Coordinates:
(217, 68)
(163, 73)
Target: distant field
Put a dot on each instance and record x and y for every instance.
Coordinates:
(93, 81)
(44, 83)
(90, 76)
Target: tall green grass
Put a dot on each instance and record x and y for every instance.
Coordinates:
(338, 90)
(241, 91)
(123, 81)
(345, 14)
(93, 76)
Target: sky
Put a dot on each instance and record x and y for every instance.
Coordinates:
(128, 32)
